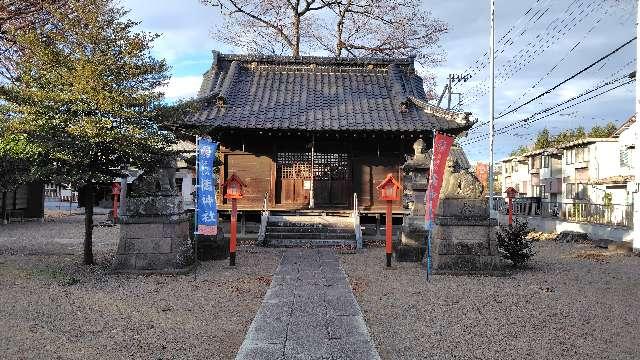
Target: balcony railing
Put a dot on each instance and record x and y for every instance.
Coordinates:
(611, 214)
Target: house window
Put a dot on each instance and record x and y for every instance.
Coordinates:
(625, 158)
(539, 191)
(570, 156)
(581, 154)
(576, 191)
(535, 162)
(545, 161)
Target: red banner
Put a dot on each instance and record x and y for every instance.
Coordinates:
(441, 146)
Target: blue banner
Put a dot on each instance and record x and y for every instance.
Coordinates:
(206, 209)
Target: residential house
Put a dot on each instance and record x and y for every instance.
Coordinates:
(515, 174)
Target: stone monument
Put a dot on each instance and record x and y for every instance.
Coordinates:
(464, 238)
(415, 179)
(154, 230)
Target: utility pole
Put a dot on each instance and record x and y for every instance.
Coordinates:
(448, 88)
(491, 104)
(636, 153)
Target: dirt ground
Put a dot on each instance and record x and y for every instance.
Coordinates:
(51, 307)
(573, 302)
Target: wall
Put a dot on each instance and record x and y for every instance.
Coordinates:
(595, 231)
(604, 160)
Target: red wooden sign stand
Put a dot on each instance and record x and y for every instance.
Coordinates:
(511, 194)
(234, 190)
(389, 192)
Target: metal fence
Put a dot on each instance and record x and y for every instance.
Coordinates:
(584, 212)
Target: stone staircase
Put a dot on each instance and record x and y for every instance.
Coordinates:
(309, 230)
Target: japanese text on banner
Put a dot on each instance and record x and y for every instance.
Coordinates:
(207, 211)
(441, 146)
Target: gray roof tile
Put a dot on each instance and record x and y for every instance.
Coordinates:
(318, 93)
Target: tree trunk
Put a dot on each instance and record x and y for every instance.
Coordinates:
(88, 224)
(340, 28)
(296, 36)
(4, 206)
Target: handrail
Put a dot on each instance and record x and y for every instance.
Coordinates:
(264, 218)
(356, 222)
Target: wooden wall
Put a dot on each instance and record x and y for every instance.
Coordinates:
(253, 160)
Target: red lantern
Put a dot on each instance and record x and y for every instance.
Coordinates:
(389, 189)
(234, 188)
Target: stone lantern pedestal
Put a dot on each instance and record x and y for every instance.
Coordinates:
(415, 180)
(154, 236)
(464, 238)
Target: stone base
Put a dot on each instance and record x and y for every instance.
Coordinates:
(464, 239)
(409, 253)
(465, 248)
(411, 247)
(154, 244)
(213, 247)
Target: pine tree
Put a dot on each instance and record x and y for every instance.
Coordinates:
(85, 94)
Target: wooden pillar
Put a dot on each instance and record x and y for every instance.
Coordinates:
(313, 153)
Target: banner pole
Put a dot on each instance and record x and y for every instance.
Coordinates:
(195, 210)
(430, 207)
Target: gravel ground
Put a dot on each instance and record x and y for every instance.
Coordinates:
(51, 307)
(574, 302)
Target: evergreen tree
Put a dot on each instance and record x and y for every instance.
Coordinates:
(85, 94)
(543, 140)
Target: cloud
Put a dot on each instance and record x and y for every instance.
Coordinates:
(182, 87)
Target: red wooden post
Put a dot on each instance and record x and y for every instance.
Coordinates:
(510, 212)
(389, 232)
(115, 190)
(511, 194)
(234, 231)
(389, 192)
(234, 191)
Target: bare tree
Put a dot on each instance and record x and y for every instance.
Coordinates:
(267, 26)
(340, 27)
(382, 28)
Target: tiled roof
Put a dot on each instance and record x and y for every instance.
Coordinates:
(586, 141)
(624, 126)
(318, 93)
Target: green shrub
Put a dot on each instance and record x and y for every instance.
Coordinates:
(513, 244)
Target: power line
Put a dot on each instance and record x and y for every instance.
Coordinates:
(555, 30)
(528, 121)
(597, 86)
(567, 80)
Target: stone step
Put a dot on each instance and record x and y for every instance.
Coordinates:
(310, 219)
(310, 243)
(308, 229)
(320, 236)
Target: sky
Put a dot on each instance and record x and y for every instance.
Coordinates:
(561, 37)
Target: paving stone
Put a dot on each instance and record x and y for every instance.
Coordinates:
(309, 312)
(261, 352)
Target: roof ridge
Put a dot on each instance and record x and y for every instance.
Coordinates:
(317, 59)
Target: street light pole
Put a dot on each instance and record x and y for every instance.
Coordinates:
(636, 154)
(491, 104)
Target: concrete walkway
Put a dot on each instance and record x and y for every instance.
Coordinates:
(309, 312)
